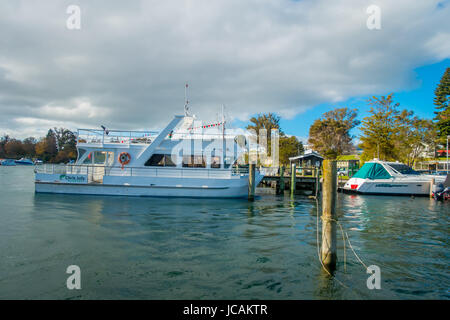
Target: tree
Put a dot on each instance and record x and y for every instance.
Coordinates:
(423, 136)
(380, 129)
(391, 134)
(289, 147)
(46, 148)
(14, 148)
(330, 135)
(29, 146)
(3, 141)
(268, 122)
(65, 139)
(441, 101)
(58, 146)
(265, 121)
(414, 135)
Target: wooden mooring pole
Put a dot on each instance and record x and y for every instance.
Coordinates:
(293, 178)
(329, 193)
(251, 182)
(281, 181)
(431, 187)
(317, 183)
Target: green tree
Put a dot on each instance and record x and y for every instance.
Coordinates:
(380, 129)
(441, 101)
(265, 121)
(65, 139)
(393, 134)
(414, 135)
(289, 147)
(268, 122)
(330, 135)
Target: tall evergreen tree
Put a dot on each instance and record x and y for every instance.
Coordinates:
(380, 130)
(442, 101)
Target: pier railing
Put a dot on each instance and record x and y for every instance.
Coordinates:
(97, 172)
(300, 171)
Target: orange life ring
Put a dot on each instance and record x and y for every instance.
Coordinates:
(124, 158)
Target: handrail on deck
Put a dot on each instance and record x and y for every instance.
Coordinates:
(133, 171)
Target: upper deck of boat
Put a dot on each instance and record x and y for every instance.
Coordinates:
(119, 138)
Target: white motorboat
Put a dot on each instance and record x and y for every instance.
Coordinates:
(183, 160)
(394, 178)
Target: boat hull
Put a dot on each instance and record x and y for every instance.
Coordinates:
(388, 187)
(164, 187)
(140, 191)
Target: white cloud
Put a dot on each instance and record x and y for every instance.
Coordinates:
(130, 60)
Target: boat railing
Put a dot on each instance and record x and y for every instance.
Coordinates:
(94, 136)
(98, 136)
(96, 172)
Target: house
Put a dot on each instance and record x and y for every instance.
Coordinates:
(309, 159)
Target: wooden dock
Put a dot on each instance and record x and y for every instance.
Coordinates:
(303, 184)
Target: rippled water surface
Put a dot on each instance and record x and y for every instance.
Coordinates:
(157, 248)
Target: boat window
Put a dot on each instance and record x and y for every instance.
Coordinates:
(170, 160)
(99, 157)
(161, 160)
(228, 161)
(81, 152)
(110, 158)
(156, 160)
(191, 161)
(402, 168)
(215, 162)
(88, 159)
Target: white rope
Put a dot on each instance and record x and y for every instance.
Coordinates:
(357, 257)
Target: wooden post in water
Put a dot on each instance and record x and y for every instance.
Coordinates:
(431, 187)
(329, 186)
(281, 182)
(317, 183)
(251, 182)
(293, 178)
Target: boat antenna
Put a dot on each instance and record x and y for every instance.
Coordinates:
(186, 101)
(223, 121)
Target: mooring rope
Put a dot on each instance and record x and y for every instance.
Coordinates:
(357, 257)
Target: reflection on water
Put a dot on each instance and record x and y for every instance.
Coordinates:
(210, 249)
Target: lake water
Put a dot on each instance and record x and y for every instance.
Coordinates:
(157, 248)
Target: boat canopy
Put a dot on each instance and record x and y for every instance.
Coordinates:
(372, 171)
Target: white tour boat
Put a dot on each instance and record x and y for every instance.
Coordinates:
(381, 177)
(180, 161)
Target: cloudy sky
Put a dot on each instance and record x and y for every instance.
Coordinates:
(127, 66)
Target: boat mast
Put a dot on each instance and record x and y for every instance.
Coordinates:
(186, 108)
(223, 137)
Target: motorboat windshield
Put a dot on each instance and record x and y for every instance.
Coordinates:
(403, 168)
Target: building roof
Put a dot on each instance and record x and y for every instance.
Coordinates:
(306, 155)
